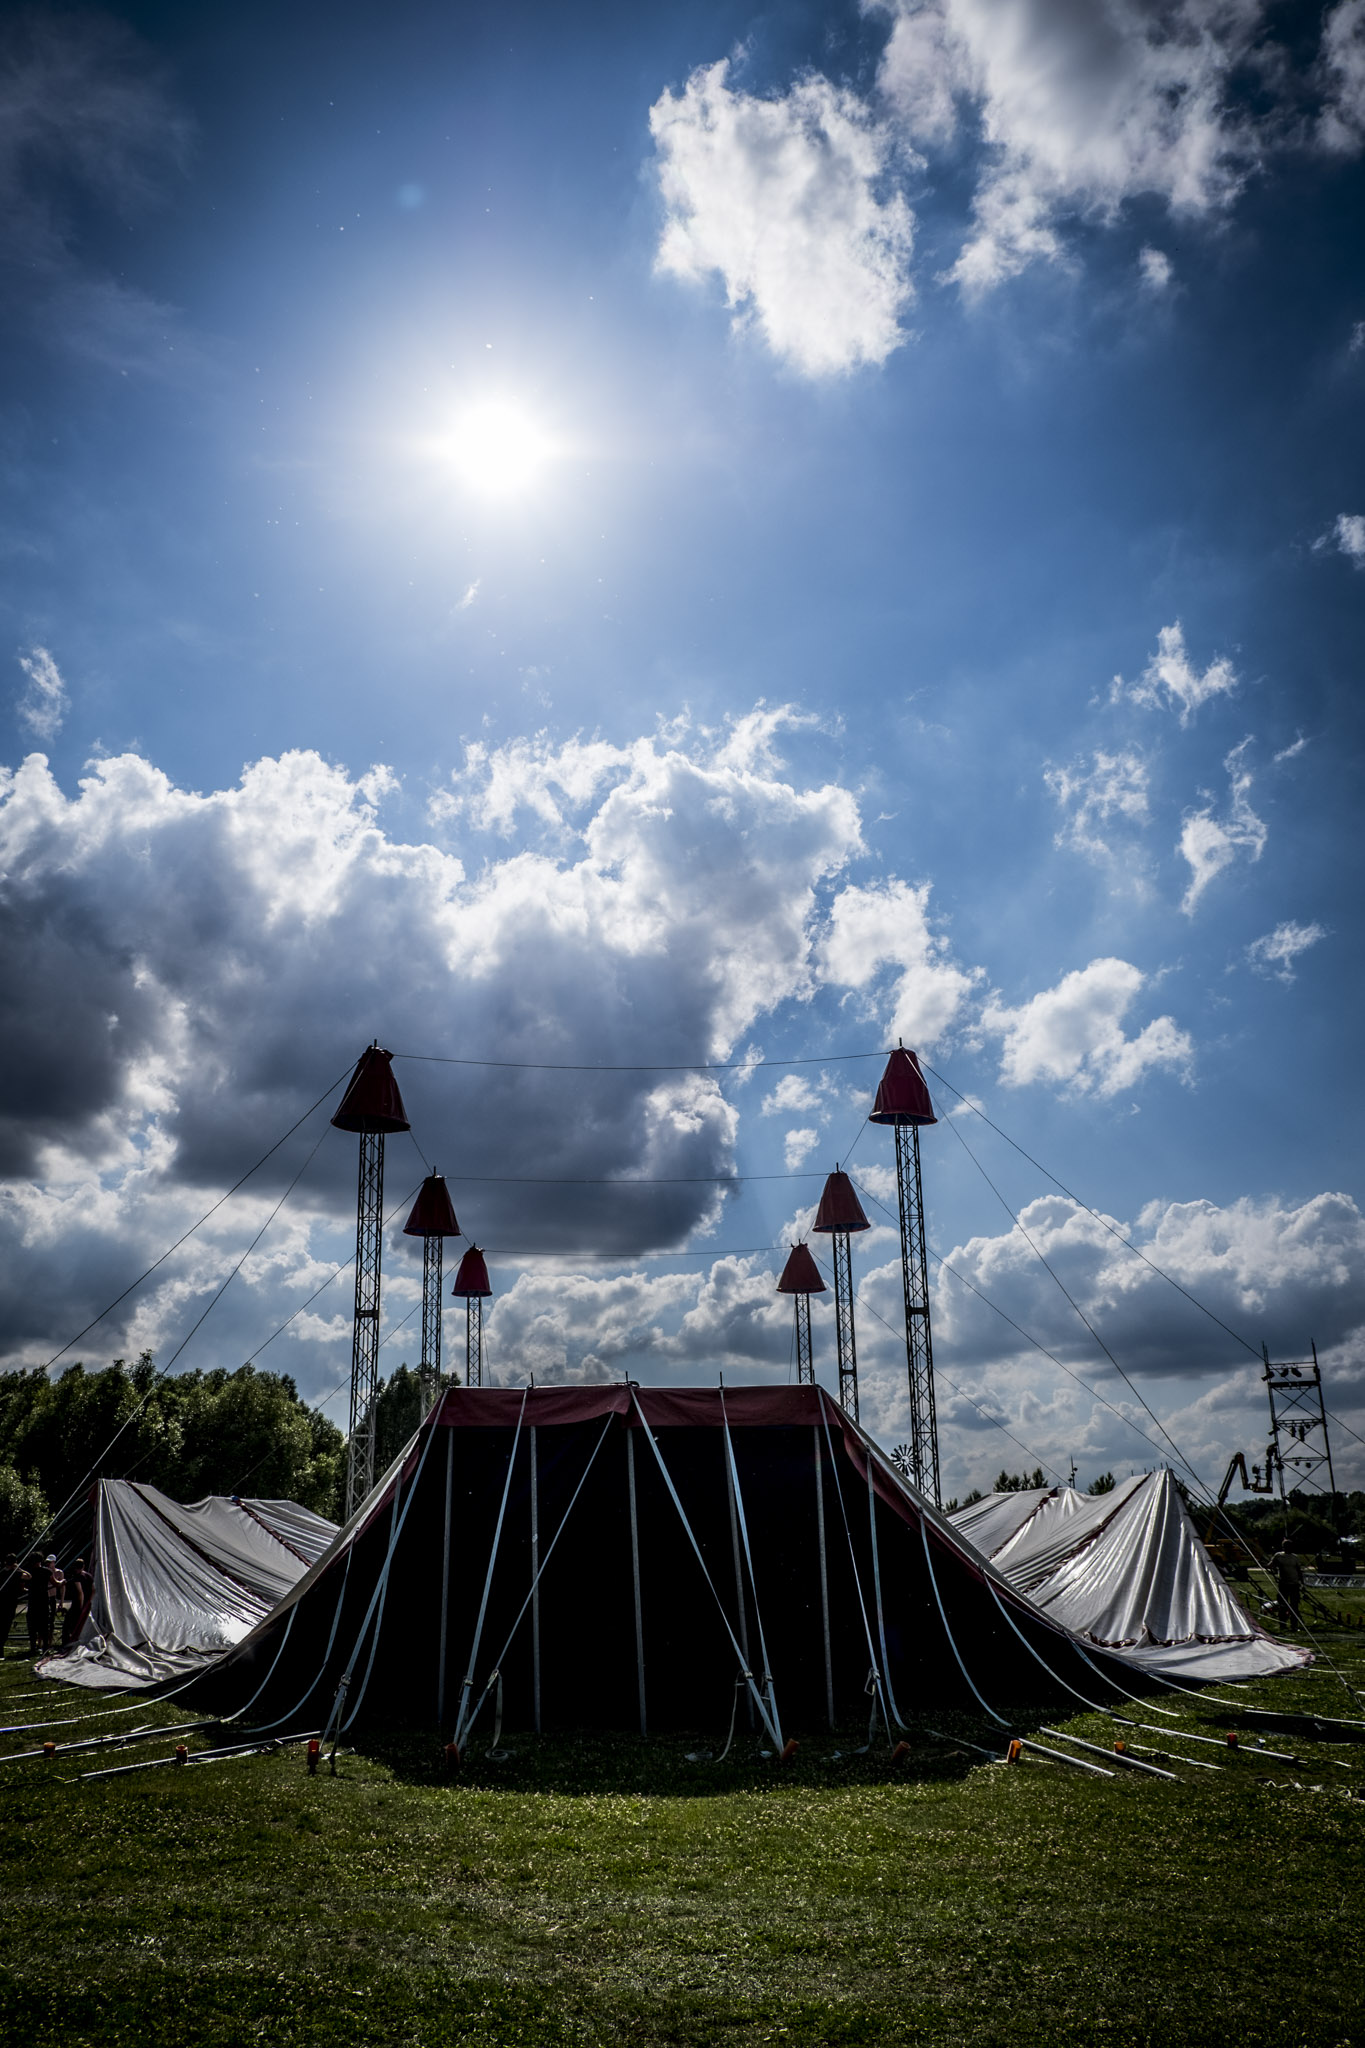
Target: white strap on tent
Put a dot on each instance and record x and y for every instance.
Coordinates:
(738, 1497)
(445, 1584)
(875, 1671)
(824, 1577)
(495, 1675)
(635, 1580)
(952, 1640)
(381, 1591)
(877, 1592)
(1039, 1658)
(757, 1697)
(467, 1684)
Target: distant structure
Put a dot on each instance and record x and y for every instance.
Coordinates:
(903, 1103)
(433, 1220)
(840, 1214)
(801, 1278)
(1298, 1429)
(473, 1287)
(373, 1107)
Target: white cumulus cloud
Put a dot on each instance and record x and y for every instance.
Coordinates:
(43, 703)
(1210, 843)
(1342, 124)
(1172, 680)
(782, 197)
(1349, 536)
(1074, 1033)
(1276, 952)
(886, 925)
(1113, 787)
(187, 972)
(1082, 109)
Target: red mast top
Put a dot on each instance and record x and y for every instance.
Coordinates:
(433, 1214)
(839, 1207)
(372, 1101)
(800, 1275)
(902, 1097)
(472, 1277)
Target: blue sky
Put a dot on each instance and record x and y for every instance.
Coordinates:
(594, 536)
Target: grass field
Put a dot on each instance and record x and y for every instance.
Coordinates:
(614, 1892)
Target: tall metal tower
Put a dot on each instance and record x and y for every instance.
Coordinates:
(433, 1220)
(1298, 1424)
(903, 1102)
(801, 1277)
(473, 1287)
(372, 1106)
(840, 1214)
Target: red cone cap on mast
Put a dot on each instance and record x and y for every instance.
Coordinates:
(902, 1097)
(433, 1214)
(372, 1102)
(472, 1277)
(839, 1207)
(801, 1275)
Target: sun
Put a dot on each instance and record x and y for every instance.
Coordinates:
(499, 449)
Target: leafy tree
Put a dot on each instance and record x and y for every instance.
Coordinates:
(23, 1511)
(400, 1408)
(190, 1434)
(1104, 1484)
(1021, 1482)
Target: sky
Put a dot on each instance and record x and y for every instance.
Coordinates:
(639, 557)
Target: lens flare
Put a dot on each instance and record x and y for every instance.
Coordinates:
(499, 450)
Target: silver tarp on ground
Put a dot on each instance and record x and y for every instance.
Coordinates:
(176, 1586)
(1126, 1570)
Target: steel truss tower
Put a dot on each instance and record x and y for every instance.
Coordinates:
(801, 1278)
(1298, 1424)
(371, 1106)
(432, 1304)
(903, 1102)
(840, 1214)
(844, 1333)
(473, 1286)
(919, 1343)
(473, 1341)
(805, 1368)
(369, 1247)
(433, 1220)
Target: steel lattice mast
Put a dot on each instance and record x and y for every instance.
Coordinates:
(903, 1102)
(839, 1215)
(472, 1285)
(371, 1106)
(433, 1220)
(801, 1278)
(1298, 1428)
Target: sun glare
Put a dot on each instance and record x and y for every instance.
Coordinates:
(499, 449)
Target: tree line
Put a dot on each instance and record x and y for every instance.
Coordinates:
(189, 1434)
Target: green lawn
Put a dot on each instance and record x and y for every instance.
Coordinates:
(612, 1892)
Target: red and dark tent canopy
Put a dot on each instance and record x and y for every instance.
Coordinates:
(626, 1557)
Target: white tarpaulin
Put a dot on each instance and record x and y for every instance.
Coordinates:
(1126, 1570)
(176, 1586)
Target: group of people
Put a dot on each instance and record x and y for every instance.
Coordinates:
(46, 1592)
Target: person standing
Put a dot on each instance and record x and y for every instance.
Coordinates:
(78, 1587)
(1287, 1572)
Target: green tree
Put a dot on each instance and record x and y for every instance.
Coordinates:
(400, 1408)
(23, 1511)
(1104, 1484)
(1021, 1482)
(190, 1434)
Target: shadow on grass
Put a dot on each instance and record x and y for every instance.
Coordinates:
(691, 1766)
